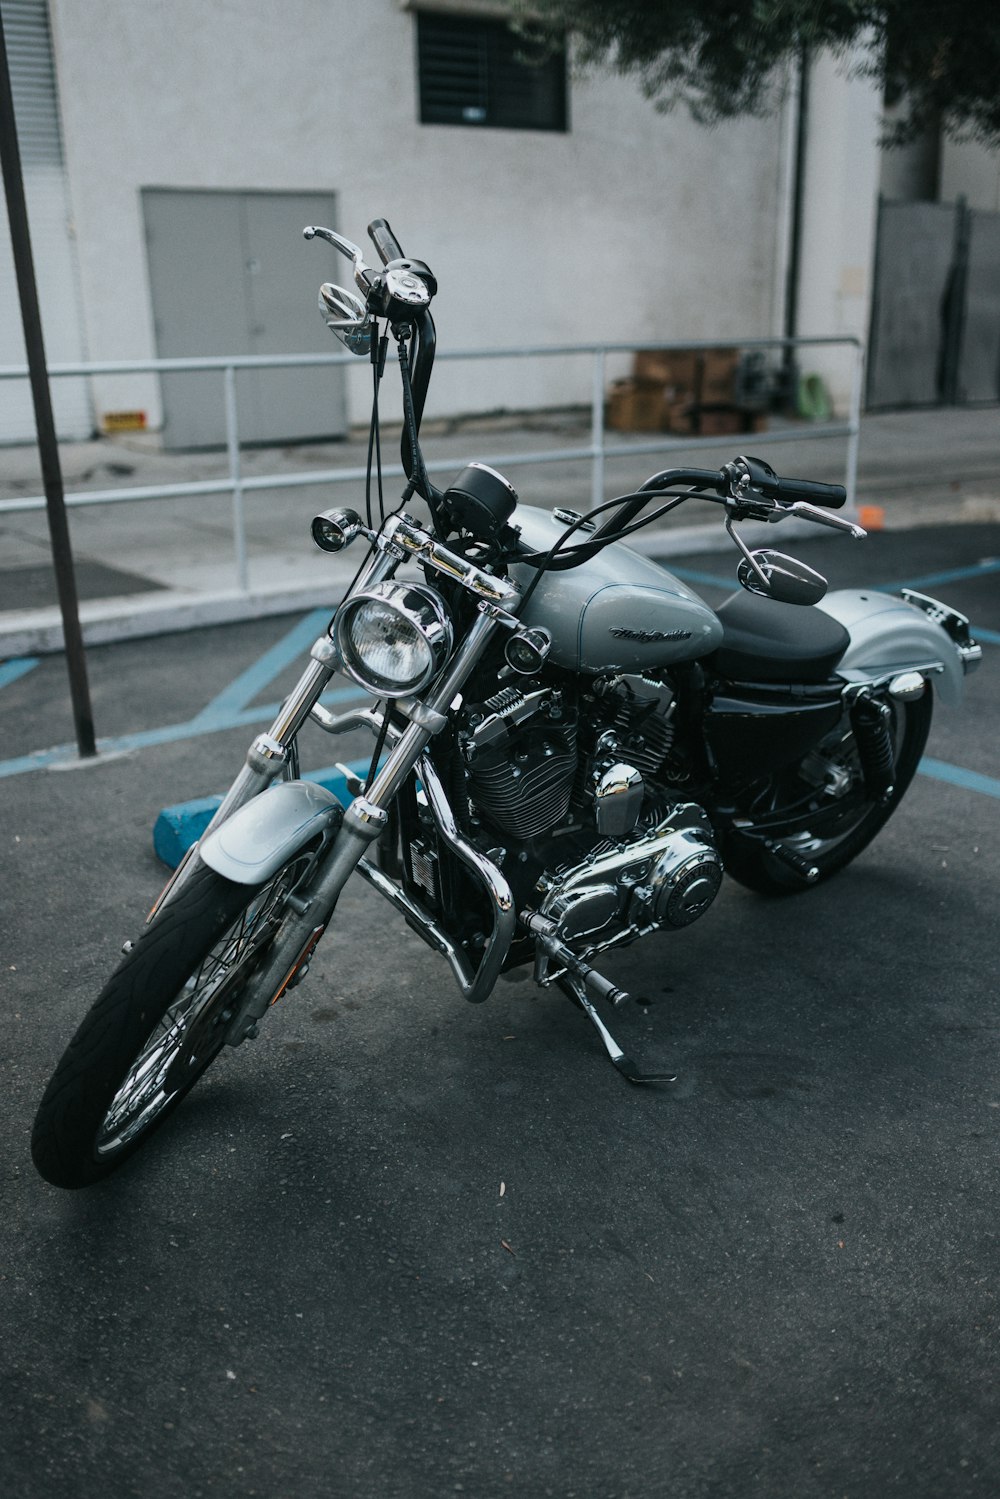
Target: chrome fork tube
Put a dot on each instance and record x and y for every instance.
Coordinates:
(364, 821)
(265, 759)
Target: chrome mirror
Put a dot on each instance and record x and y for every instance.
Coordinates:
(777, 576)
(347, 316)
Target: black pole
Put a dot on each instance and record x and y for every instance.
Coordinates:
(790, 372)
(48, 446)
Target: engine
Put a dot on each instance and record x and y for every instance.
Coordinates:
(667, 875)
(582, 798)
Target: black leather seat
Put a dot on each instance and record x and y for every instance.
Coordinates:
(770, 642)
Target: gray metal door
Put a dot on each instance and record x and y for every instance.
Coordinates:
(913, 278)
(978, 372)
(230, 274)
(935, 333)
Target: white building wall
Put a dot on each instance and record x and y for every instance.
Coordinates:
(632, 226)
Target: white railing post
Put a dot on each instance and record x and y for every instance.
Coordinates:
(854, 424)
(236, 478)
(597, 430)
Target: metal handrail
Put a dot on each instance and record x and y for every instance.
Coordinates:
(598, 451)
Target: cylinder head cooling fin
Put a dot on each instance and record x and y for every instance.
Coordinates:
(525, 788)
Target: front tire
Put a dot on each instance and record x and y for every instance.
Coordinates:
(157, 1025)
(816, 831)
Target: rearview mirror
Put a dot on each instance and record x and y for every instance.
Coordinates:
(776, 576)
(346, 316)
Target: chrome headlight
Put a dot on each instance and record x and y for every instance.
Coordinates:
(393, 638)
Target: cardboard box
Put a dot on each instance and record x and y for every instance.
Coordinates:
(717, 385)
(722, 419)
(717, 421)
(635, 406)
(686, 391)
(680, 417)
(677, 368)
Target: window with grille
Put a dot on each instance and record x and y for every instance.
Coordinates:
(479, 72)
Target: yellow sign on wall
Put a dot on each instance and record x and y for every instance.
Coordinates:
(124, 421)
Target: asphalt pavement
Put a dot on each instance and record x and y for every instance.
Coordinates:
(404, 1246)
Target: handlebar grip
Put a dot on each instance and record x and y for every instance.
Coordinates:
(385, 241)
(831, 496)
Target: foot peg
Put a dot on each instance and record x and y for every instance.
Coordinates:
(575, 981)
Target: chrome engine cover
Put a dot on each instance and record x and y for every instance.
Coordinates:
(664, 876)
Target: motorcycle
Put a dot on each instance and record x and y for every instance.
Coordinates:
(570, 750)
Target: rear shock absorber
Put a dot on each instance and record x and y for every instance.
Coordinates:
(871, 720)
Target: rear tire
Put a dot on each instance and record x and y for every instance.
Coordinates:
(823, 833)
(157, 1025)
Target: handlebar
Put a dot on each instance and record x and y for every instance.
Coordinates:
(385, 241)
(760, 477)
(748, 488)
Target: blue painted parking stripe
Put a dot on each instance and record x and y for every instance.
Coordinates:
(979, 569)
(991, 637)
(65, 754)
(956, 775)
(17, 667)
(692, 575)
(244, 688)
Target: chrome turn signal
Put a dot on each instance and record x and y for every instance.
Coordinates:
(526, 650)
(333, 530)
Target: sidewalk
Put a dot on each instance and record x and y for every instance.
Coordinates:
(158, 565)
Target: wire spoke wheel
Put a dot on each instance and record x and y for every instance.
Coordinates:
(190, 1034)
(159, 1023)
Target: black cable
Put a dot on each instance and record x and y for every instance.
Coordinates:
(418, 477)
(378, 348)
(383, 346)
(379, 746)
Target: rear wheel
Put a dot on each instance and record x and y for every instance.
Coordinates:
(819, 811)
(158, 1024)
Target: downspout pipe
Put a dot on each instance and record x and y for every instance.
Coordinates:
(790, 371)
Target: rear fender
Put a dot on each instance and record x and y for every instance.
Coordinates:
(253, 844)
(890, 636)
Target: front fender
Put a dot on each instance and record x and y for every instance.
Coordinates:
(257, 840)
(890, 636)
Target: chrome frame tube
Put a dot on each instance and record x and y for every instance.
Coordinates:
(476, 984)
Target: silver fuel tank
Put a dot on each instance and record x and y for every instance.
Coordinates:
(618, 612)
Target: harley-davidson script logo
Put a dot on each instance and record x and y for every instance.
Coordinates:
(648, 637)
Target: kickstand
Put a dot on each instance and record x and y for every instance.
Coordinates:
(577, 977)
(574, 988)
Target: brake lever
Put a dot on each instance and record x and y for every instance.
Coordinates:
(363, 274)
(805, 511)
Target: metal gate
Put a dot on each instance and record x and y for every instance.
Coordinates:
(935, 331)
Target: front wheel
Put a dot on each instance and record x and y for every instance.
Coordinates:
(159, 1022)
(819, 810)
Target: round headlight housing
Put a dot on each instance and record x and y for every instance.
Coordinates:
(393, 638)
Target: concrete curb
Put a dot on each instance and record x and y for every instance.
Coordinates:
(39, 632)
